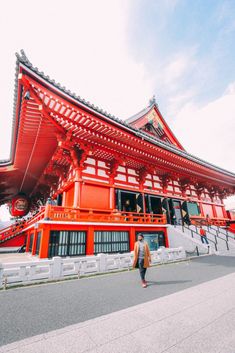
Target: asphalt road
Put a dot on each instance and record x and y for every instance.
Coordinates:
(30, 311)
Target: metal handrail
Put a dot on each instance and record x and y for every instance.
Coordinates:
(226, 233)
(215, 235)
(219, 238)
(212, 241)
(209, 226)
(193, 231)
(218, 230)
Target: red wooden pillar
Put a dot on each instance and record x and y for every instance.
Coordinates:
(111, 198)
(47, 211)
(214, 211)
(144, 206)
(112, 205)
(224, 211)
(35, 235)
(132, 238)
(77, 187)
(200, 204)
(64, 199)
(166, 238)
(90, 241)
(43, 252)
(201, 209)
(28, 241)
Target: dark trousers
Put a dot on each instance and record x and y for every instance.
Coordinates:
(204, 239)
(142, 269)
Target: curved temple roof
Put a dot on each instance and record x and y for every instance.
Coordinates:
(23, 63)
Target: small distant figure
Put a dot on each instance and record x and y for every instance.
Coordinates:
(203, 236)
(207, 220)
(174, 220)
(142, 257)
(51, 202)
(127, 206)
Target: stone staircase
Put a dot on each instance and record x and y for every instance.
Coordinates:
(179, 236)
(224, 244)
(220, 241)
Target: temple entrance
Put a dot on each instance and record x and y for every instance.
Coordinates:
(154, 239)
(172, 208)
(189, 209)
(176, 212)
(31, 242)
(153, 204)
(166, 209)
(59, 200)
(129, 201)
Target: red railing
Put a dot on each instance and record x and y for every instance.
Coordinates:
(69, 214)
(221, 222)
(198, 220)
(19, 226)
(58, 213)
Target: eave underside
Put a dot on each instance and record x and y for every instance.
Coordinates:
(48, 116)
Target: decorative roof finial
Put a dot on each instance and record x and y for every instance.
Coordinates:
(152, 100)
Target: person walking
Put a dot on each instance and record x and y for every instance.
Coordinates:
(142, 257)
(203, 236)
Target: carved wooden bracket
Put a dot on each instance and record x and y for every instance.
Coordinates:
(223, 194)
(183, 185)
(142, 173)
(60, 171)
(78, 156)
(212, 192)
(51, 181)
(113, 168)
(199, 188)
(165, 179)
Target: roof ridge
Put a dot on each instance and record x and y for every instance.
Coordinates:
(24, 59)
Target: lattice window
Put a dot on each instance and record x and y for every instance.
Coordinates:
(67, 243)
(111, 242)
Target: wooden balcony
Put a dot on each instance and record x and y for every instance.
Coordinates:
(68, 214)
(58, 213)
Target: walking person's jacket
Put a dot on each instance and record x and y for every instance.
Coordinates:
(202, 232)
(147, 256)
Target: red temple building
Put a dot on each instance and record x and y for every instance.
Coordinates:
(91, 181)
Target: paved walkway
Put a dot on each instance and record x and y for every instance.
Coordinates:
(31, 311)
(200, 319)
(17, 257)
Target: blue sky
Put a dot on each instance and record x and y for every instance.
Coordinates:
(199, 34)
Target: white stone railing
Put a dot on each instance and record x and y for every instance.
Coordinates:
(59, 268)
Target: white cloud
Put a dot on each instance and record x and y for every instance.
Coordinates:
(230, 89)
(175, 69)
(83, 45)
(4, 214)
(230, 203)
(177, 101)
(172, 79)
(208, 132)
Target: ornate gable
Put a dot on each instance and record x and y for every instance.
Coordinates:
(151, 122)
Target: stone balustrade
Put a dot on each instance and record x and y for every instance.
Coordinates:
(60, 268)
